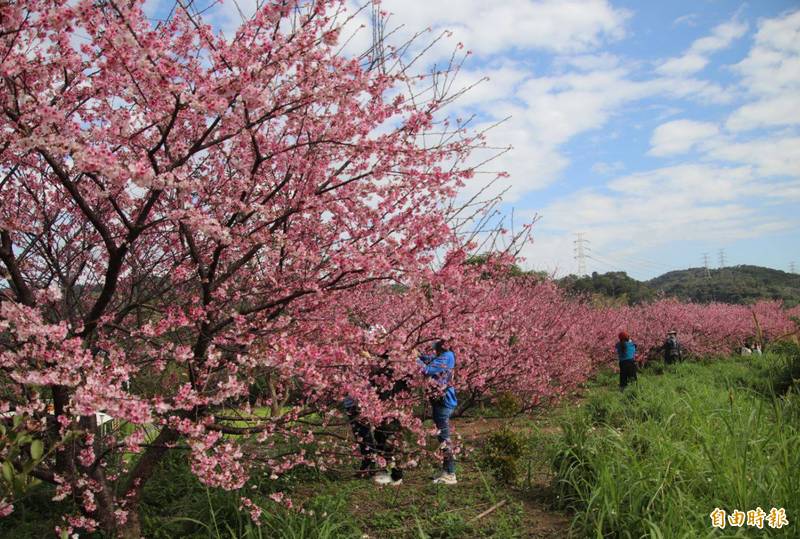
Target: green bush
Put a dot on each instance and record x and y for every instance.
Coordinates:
(507, 404)
(788, 374)
(502, 454)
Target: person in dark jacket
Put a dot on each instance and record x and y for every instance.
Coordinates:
(626, 352)
(440, 367)
(380, 440)
(673, 351)
(362, 432)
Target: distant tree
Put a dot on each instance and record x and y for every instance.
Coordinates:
(617, 286)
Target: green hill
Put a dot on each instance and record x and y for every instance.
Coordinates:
(614, 285)
(737, 284)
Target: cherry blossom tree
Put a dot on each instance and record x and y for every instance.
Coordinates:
(703, 329)
(176, 207)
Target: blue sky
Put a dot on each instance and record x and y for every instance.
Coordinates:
(659, 130)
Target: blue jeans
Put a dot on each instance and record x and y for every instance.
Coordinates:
(441, 416)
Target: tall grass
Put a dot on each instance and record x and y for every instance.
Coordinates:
(655, 460)
(177, 505)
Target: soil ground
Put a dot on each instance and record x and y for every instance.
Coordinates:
(478, 506)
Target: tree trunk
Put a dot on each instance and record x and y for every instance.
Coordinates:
(141, 473)
(132, 529)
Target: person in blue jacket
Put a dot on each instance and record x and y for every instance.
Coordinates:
(626, 352)
(440, 368)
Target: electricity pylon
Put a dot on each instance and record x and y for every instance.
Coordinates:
(581, 252)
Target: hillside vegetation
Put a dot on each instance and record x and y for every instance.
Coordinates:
(737, 284)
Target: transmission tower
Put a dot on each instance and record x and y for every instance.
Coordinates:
(377, 55)
(705, 264)
(581, 253)
(721, 257)
(792, 268)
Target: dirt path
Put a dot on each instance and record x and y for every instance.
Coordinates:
(539, 519)
(476, 507)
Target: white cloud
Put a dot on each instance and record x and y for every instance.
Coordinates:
(680, 136)
(721, 37)
(693, 183)
(777, 155)
(490, 84)
(780, 110)
(530, 165)
(690, 19)
(491, 27)
(771, 74)
(590, 62)
(603, 168)
(558, 108)
(561, 107)
(773, 64)
(549, 252)
(686, 64)
(548, 111)
(693, 202)
(697, 57)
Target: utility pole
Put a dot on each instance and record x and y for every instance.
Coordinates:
(581, 253)
(705, 265)
(721, 256)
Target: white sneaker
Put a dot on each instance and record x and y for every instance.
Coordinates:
(382, 478)
(446, 479)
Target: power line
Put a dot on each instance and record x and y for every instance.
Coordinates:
(615, 267)
(629, 261)
(645, 264)
(605, 264)
(581, 252)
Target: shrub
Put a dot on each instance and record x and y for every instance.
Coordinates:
(507, 403)
(787, 374)
(502, 454)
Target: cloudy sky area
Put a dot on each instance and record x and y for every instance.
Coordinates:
(659, 130)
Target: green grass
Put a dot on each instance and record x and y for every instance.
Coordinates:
(655, 460)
